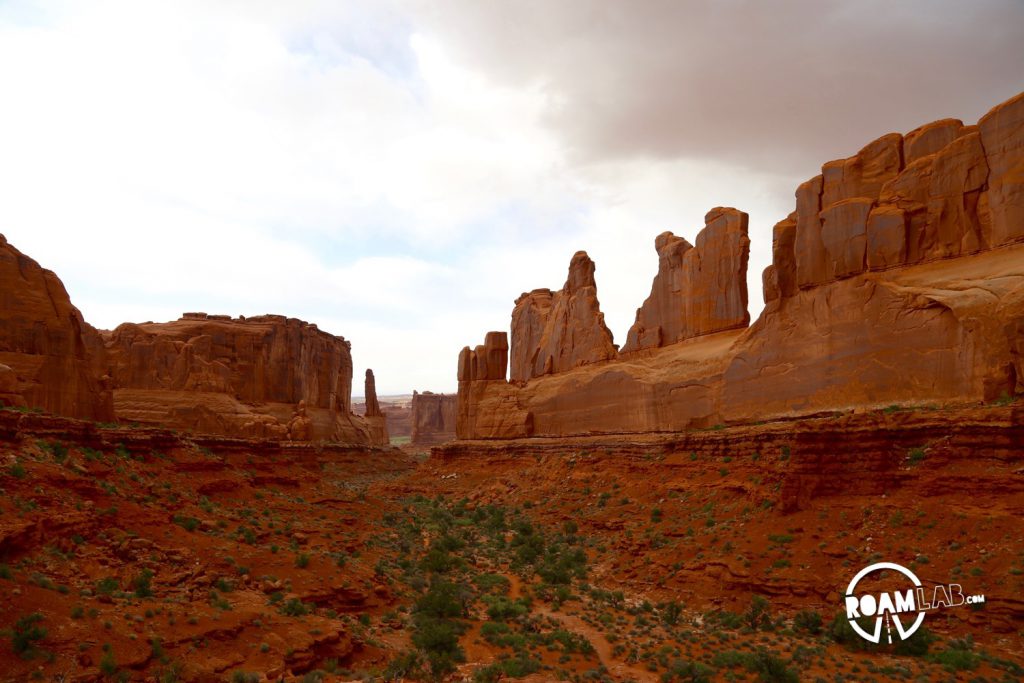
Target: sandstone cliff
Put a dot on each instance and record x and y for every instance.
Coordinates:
(557, 331)
(50, 358)
(698, 290)
(898, 279)
(433, 417)
(234, 376)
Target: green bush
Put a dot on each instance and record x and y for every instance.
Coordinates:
(186, 523)
(25, 633)
(141, 584)
(294, 607)
(441, 601)
(439, 640)
(671, 612)
(688, 672)
(519, 666)
(808, 621)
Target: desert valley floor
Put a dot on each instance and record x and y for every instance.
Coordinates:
(719, 554)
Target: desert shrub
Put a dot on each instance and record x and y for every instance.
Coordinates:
(141, 584)
(293, 607)
(186, 523)
(25, 633)
(500, 608)
(808, 621)
(687, 672)
(517, 666)
(671, 612)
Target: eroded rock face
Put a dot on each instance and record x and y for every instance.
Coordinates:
(556, 331)
(486, 406)
(376, 421)
(899, 279)
(223, 375)
(54, 359)
(698, 290)
(1002, 135)
(433, 417)
(370, 393)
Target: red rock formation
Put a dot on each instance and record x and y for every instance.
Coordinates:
(433, 417)
(892, 282)
(698, 290)
(215, 374)
(1002, 136)
(557, 331)
(486, 407)
(372, 408)
(376, 421)
(52, 356)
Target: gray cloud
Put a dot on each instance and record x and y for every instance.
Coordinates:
(772, 86)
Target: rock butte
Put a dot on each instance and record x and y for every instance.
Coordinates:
(266, 377)
(899, 278)
(433, 418)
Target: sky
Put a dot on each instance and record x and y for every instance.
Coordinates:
(399, 171)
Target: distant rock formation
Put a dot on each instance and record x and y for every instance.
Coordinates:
(212, 373)
(558, 331)
(266, 377)
(372, 408)
(376, 421)
(433, 417)
(898, 279)
(50, 358)
(698, 290)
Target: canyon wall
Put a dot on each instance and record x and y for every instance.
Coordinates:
(50, 358)
(433, 417)
(898, 279)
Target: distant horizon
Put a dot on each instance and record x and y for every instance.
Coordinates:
(398, 172)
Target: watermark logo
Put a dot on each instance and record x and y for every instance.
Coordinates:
(903, 608)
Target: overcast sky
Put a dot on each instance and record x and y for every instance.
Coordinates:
(399, 172)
